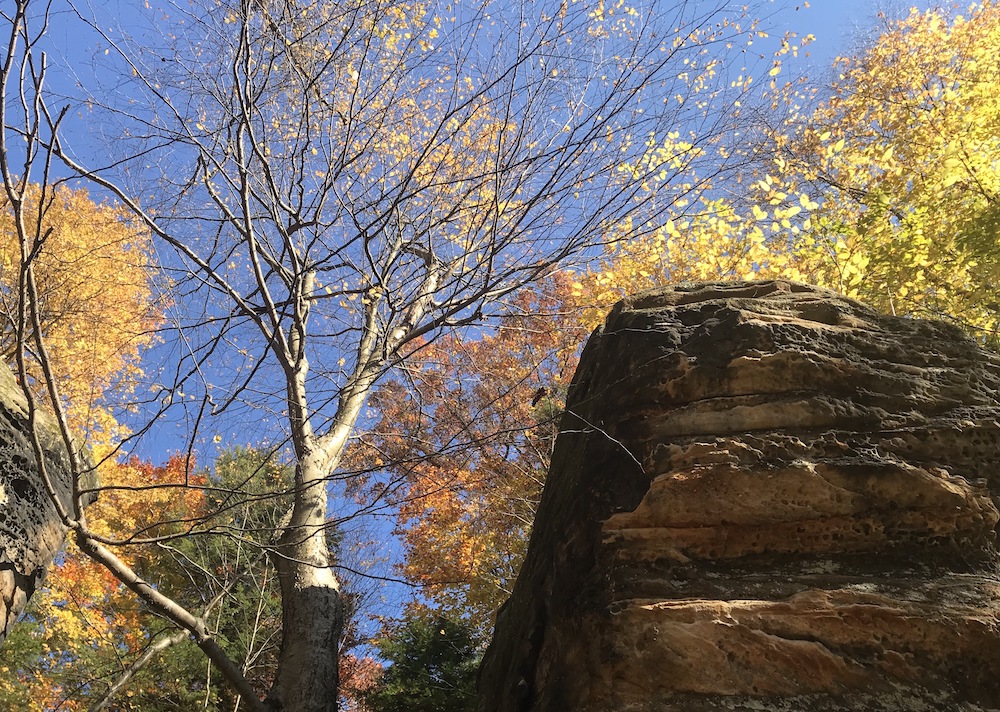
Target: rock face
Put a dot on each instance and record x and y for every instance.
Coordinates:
(765, 497)
(30, 529)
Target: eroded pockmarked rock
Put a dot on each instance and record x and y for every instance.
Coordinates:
(31, 531)
(765, 497)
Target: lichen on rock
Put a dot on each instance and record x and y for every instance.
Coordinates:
(31, 531)
(765, 496)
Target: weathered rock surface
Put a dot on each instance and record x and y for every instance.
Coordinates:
(30, 529)
(765, 497)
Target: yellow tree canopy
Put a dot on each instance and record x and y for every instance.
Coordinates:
(905, 154)
(92, 268)
(887, 190)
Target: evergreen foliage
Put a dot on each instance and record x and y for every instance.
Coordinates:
(433, 668)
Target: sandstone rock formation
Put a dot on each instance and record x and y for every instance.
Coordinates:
(30, 530)
(765, 497)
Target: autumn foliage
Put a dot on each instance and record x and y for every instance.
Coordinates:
(84, 626)
(93, 268)
(884, 186)
(903, 151)
(464, 437)
(202, 534)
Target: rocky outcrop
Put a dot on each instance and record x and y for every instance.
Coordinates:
(765, 497)
(30, 529)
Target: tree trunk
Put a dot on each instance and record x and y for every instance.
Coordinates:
(312, 615)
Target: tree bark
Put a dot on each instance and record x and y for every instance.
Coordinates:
(312, 614)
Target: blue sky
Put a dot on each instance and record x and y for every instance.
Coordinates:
(834, 24)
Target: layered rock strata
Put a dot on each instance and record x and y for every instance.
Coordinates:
(31, 531)
(765, 497)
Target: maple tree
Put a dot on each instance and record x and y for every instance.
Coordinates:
(92, 272)
(92, 277)
(465, 434)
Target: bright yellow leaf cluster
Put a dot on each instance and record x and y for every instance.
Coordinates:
(907, 151)
(93, 273)
(888, 191)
